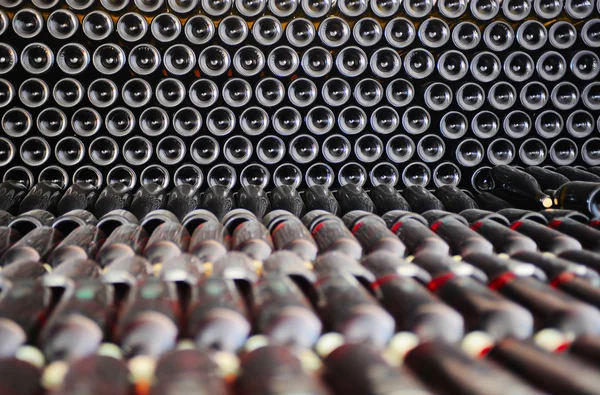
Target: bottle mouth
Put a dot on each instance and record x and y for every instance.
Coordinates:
(282, 8)
(108, 59)
(269, 92)
(183, 6)
(221, 121)
(320, 120)
(351, 61)
(591, 96)
(446, 173)
(384, 120)
(466, 36)
(102, 93)
(222, 174)
(400, 148)
(532, 35)
(283, 61)
(368, 92)
(86, 122)
(155, 174)
(367, 31)
(19, 174)
(300, 32)
(232, 30)
(416, 173)
(452, 8)
(27, 23)
(334, 32)
(438, 96)
(69, 151)
(132, 27)
(144, 59)
(453, 65)
(319, 174)
(103, 151)
(481, 180)
(270, 150)
(585, 65)
(170, 150)
(551, 66)
(562, 35)
(563, 152)
(503, 95)
(352, 120)
(254, 121)
(416, 120)
(255, 174)
(216, 7)
(120, 122)
(137, 150)
(287, 121)
(485, 124)
(249, 61)
(501, 152)
(36, 58)
(517, 124)
(470, 153)
(368, 148)
(114, 5)
(336, 92)
(516, 10)
(287, 174)
(533, 152)
(55, 175)
(317, 62)
(434, 33)
(384, 173)
(580, 124)
(419, 63)
(484, 9)
(267, 30)
(179, 59)
(498, 36)
(385, 8)
(62, 24)
(35, 151)
(431, 148)
(7, 151)
(136, 92)
(238, 150)
(418, 8)
(205, 150)
(352, 173)
(33, 92)
(549, 124)
(154, 121)
(188, 174)
(485, 67)
(590, 151)
(336, 148)
(454, 125)
(316, 8)
(88, 174)
(203, 93)
(199, 29)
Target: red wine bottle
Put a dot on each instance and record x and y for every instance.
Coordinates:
(318, 197)
(547, 179)
(209, 242)
(454, 230)
(253, 199)
(167, 241)
(83, 243)
(253, 239)
(183, 199)
(386, 198)
(586, 235)
(547, 239)
(126, 241)
(35, 246)
(23, 270)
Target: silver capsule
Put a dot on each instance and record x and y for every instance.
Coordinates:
(122, 174)
(516, 10)
(144, 59)
(470, 96)
(317, 62)
(501, 152)
(562, 34)
(533, 152)
(336, 148)
(503, 95)
(170, 150)
(269, 92)
(416, 173)
(238, 150)
(579, 9)
(300, 32)
(137, 150)
(585, 65)
(498, 36)
(446, 173)
(438, 96)
(7, 151)
(250, 8)
(400, 32)
(286, 121)
(51, 122)
(154, 121)
(519, 66)
(466, 36)
(367, 31)
(431, 148)
(368, 148)
(385, 8)
(249, 61)
(109, 58)
(102, 93)
(580, 124)
(565, 96)
(73, 58)
(563, 152)
(69, 151)
(103, 151)
(270, 149)
(549, 124)
(187, 121)
(548, 9)
(469, 153)
(205, 150)
(19, 174)
(287, 174)
(62, 24)
(283, 61)
(319, 174)
(27, 23)
(416, 120)
(136, 92)
(35, 151)
(517, 124)
(36, 58)
(485, 66)
(170, 92)
(221, 121)
(183, 6)
(303, 149)
(336, 92)
(132, 27)
(199, 29)
(434, 32)
(384, 173)
(320, 120)
(352, 120)
(484, 10)
(254, 121)
(485, 124)
(216, 7)
(188, 174)
(255, 174)
(33, 92)
(222, 174)
(532, 35)
(316, 8)
(417, 8)
(86, 122)
(120, 121)
(454, 125)
(591, 96)
(179, 59)
(267, 30)
(419, 63)
(400, 148)
(334, 32)
(203, 93)
(232, 30)
(282, 8)
(534, 95)
(590, 151)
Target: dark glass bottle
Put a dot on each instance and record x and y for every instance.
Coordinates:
(454, 199)
(97, 373)
(167, 241)
(318, 197)
(490, 202)
(512, 181)
(352, 197)
(285, 197)
(11, 195)
(421, 200)
(547, 179)
(253, 239)
(72, 220)
(183, 199)
(116, 196)
(292, 235)
(31, 220)
(83, 243)
(35, 246)
(579, 195)
(217, 200)
(79, 196)
(126, 241)
(148, 198)
(575, 174)
(43, 196)
(454, 230)
(386, 198)
(210, 241)
(254, 199)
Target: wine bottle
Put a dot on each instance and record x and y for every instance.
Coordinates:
(126, 241)
(156, 218)
(547, 239)
(253, 199)
(386, 198)
(217, 200)
(253, 239)
(352, 197)
(184, 268)
(72, 220)
(454, 200)
(285, 197)
(30, 220)
(421, 200)
(23, 270)
(167, 241)
(418, 238)
(490, 202)
(11, 195)
(81, 244)
(71, 271)
(454, 230)
(575, 174)
(148, 198)
(96, 373)
(182, 200)
(547, 179)
(128, 272)
(209, 242)
(503, 238)
(79, 196)
(515, 214)
(586, 235)
(579, 195)
(20, 375)
(332, 235)
(113, 219)
(335, 263)
(43, 196)
(318, 197)
(35, 246)
(375, 236)
(197, 217)
(582, 257)
(116, 196)
(512, 181)
(552, 214)
(292, 235)
(287, 263)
